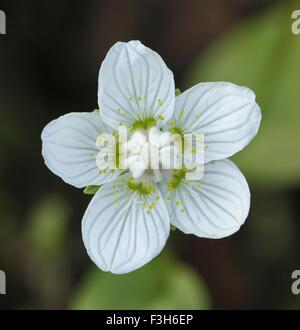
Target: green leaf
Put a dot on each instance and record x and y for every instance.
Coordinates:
(263, 54)
(177, 91)
(172, 228)
(91, 190)
(161, 284)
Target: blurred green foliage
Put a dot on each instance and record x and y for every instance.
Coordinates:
(164, 283)
(46, 230)
(263, 54)
(46, 240)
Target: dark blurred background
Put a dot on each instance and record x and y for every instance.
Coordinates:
(49, 63)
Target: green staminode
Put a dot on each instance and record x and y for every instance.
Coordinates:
(141, 187)
(177, 177)
(144, 124)
(177, 130)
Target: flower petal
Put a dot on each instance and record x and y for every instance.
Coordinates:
(135, 84)
(121, 232)
(225, 113)
(214, 207)
(69, 149)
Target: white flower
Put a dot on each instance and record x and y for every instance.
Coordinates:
(128, 220)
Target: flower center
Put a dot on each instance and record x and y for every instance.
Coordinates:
(149, 153)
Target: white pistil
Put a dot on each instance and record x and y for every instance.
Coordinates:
(149, 151)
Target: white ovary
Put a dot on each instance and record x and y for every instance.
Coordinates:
(149, 151)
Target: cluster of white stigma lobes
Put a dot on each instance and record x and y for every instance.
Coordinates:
(148, 152)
